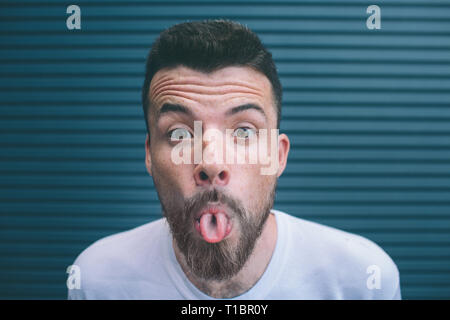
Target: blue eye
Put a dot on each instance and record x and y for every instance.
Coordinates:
(244, 133)
(179, 134)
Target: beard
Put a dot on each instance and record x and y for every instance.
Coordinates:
(224, 259)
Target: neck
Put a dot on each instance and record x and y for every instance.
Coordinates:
(250, 273)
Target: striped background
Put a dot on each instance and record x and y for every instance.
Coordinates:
(367, 112)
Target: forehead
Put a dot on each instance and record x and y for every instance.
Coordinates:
(223, 87)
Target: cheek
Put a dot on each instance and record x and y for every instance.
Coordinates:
(250, 186)
(166, 173)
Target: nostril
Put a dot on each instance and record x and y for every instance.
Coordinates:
(223, 175)
(203, 176)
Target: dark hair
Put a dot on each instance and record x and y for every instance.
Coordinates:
(207, 46)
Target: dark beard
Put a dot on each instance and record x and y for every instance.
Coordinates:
(224, 259)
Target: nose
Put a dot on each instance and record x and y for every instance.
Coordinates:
(211, 175)
(212, 169)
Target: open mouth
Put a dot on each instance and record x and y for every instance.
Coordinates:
(213, 224)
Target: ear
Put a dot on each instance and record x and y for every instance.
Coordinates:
(283, 151)
(148, 157)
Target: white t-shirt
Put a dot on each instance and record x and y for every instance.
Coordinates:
(310, 261)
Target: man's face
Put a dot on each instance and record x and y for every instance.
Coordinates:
(215, 209)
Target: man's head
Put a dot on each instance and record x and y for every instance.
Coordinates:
(217, 73)
(207, 46)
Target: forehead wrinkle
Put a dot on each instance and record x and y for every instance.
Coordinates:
(211, 90)
(195, 85)
(195, 98)
(195, 80)
(154, 87)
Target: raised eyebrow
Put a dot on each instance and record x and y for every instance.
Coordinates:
(170, 107)
(244, 107)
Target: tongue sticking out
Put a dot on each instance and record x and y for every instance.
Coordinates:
(213, 226)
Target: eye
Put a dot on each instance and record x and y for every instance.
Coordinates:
(179, 134)
(244, 133)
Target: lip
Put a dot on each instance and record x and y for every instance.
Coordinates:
(213, 208)
(210, 208)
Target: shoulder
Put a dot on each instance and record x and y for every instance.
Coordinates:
(117, 247)
(117, 257)
(351, 265)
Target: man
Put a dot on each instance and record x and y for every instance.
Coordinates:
(211, 90)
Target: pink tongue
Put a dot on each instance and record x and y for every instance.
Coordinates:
(213, 230)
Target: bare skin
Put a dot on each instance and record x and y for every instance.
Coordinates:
(210, 98)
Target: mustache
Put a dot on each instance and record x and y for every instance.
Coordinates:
(200, 200)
